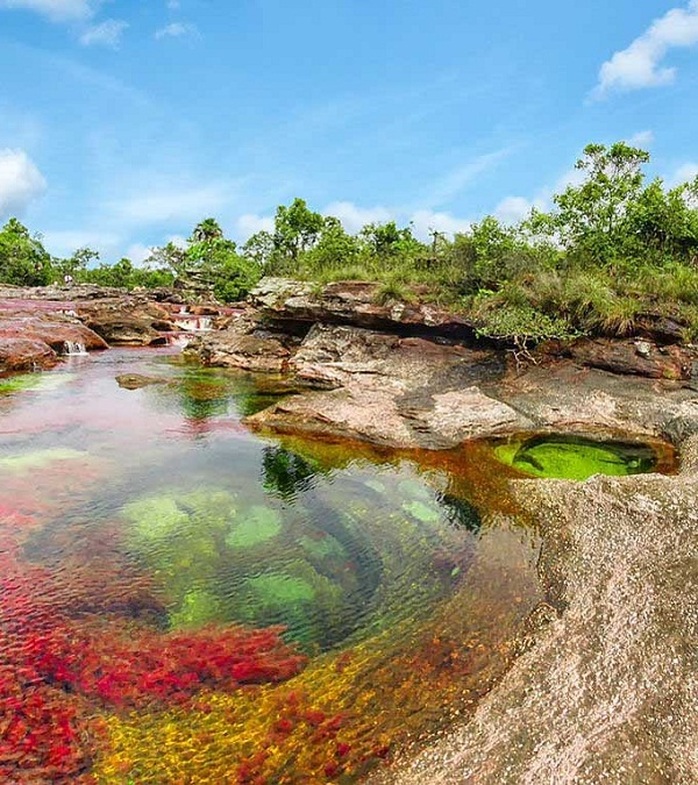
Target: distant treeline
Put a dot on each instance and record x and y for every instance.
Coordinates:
(610, 248)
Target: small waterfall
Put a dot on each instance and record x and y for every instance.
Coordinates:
(194, 324)
(74, 348)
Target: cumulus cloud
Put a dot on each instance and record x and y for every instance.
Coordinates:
(56, 10)
(249, 224)
(175, 30)
(107, 33)
(354, 218)
(642, 139)
(20, 181)
(425, 222)
(640, 64)
(65, 242)
(685, 173)
(138, 253)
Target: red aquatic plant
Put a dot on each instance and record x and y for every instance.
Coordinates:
(58, 663)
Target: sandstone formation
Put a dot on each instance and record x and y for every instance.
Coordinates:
(608, 691)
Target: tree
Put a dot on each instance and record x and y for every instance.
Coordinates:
(590, 219)
(23, 259)
(76, 266)
(296, 228)
(387, 240)
(211, 260)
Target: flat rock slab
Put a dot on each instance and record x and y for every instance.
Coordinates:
(565, 397)
(609, 692)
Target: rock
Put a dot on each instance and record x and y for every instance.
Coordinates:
(297, 306)
(127, 321)
(641, 358)
(607, 694)
(134, 381)
(36, 341)
(244, 345)
(21, 354)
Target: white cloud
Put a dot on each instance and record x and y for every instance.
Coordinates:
(427, 221)
(642, 139)
(107, 33)
(179, 240)
(65, 242)
(20, 181)
(138, 253)
(173, 5)
(56, 10)
(249, 224)
(513, 209)
(684, 174)
(175, 30)
(176, 203)
(639, 65)
(354, 218)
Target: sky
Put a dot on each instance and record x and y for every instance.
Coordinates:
(123, 123)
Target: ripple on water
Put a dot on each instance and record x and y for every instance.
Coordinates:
(190, 602)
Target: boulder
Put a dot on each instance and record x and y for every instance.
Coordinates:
(127, 321)
(243, 344)
(606, 691)
(22, 354)
(134, 381)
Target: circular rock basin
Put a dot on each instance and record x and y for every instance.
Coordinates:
(577, 457)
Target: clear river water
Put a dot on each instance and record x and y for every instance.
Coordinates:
(185, 601)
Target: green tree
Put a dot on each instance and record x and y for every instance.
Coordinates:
(334, 248)
(296, 229)
(210, 260)
(23, 259)
(76, 266)
(590, 221)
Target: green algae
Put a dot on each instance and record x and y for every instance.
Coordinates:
(39, 459)
(39, 382)
(575, 458)
(259, 525)
(307, 603)
(198, 607)
(422, 512)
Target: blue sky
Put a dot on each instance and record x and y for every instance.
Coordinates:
(124, 123)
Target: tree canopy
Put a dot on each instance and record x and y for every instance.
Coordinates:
(610, 245)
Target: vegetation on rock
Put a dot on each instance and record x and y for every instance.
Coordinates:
(612, 248)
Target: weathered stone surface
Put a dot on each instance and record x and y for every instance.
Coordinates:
(635, 356)
(242, 344)
(565, 397)
(55, 292)
(286, 302)
(21, 354)
(127, 321)
(609, 692)
(54, 330)
(36, 341)
(134, 381)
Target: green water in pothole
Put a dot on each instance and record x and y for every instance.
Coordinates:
(575, 457)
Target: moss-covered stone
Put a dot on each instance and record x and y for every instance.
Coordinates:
(258, 525)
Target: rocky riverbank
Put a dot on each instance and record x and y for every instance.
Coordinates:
(605, 689)
(39, 325)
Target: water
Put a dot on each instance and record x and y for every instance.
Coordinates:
(183, 601)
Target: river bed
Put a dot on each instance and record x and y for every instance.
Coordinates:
(186, 601)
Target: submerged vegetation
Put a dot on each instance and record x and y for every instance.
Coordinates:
(611, 250)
